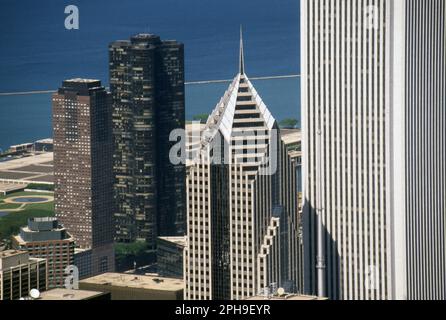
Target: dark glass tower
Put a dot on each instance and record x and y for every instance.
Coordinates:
(147, 86)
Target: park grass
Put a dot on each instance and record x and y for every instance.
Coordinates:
(10, 224)
(128, 253)
(9, 206)
(23, 193)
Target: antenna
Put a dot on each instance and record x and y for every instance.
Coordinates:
(242, 54)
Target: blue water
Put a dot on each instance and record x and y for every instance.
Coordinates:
(3, 213)
(24, 119)
(27, 118)
(37, 52)
(29, 200)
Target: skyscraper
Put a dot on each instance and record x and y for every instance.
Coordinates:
(147, 86)
(83, 168)
(373, 92)
(241, 202)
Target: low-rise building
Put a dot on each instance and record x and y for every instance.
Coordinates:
(19, 273)
(44, 145)
(292, 139)
(169, 257)
(7, 188)
(135, 287)
(83, 262)
(45, 238)
(24, 147)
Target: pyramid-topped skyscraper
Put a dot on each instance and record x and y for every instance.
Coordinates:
(243, 225)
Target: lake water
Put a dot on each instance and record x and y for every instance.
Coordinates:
(28, 200)
(26, 118)
(37, 52)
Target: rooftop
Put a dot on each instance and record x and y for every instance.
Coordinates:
(10, 253)
(81, 80)
(228, 116)
(43, 219)
(291, 136)
(48, 140)
(30, 169)
(68, 294)
(10, 187)
(286, 297)
(145, 36)
(44, 229)
(133, 281)
(15, 259)
(177, 240)
(22, 145)
(79, 86)
(241, 112)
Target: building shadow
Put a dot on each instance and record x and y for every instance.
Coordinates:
(332, 257)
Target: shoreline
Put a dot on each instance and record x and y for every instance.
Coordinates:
(22, 93)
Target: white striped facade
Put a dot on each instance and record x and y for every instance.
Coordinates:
(242, 225)
(425, 143)
(360, 88)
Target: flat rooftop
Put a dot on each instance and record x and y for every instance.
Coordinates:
(10, 187)
(82, 80)
(181, 241)
(69, 294)
(136, 281)
(10, 253)
(22, 145)
(31, 169)
(48, 140)
(291, 136)
(286, 297)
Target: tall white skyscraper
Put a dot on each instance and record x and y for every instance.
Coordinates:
(241, 202)
(373, 86)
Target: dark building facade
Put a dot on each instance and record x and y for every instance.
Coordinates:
(83, 153)
(147, 86)
(170, 255)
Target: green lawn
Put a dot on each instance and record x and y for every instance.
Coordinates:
(128, 253)
(23, 193)
(10, 224)
(9, 206)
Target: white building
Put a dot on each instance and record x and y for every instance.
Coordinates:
(373, 84)
(242, 202)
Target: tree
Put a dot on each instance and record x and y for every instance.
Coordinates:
(288, 123)
(202, 117)
(126, 254)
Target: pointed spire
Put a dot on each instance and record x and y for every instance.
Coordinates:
(242, 57)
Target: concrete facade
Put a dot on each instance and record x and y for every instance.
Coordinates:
(19, 274)
(373, 86)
